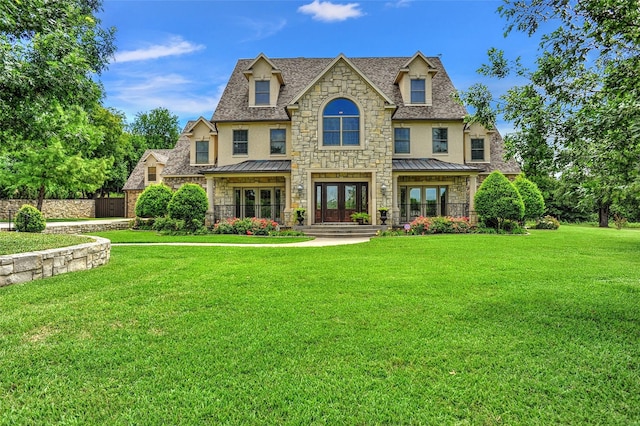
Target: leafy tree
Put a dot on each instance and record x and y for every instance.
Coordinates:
(578, 115)
(531, 197)
(153, 201)
(189, 203)
(497, 200)
(158, 129)
(53, 158)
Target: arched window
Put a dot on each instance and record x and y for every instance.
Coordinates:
(341, 123)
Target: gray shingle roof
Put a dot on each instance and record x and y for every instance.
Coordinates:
(254, 166)
(136, 178)
(428, 165)
(508, 167)
(298, 73)
(179, 160)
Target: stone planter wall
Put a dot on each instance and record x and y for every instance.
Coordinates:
(24, 267)
(86, 228)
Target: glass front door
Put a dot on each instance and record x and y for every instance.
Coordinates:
(335, 202)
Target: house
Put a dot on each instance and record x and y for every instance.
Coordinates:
(333, 136)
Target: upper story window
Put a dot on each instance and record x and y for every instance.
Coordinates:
(202, 152)
(440, 140)
(240, 142)
(278, 141)
(263, 92)
(418, 95)
(151, 174)
(401, 140)
(341, 123)
(477, 149)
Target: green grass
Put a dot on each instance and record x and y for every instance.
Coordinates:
(129, 236)
(21, 242)
(469, 329)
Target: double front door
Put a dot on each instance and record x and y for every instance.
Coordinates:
(335, 202)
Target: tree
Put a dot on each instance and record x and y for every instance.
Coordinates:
(578, 115)
(53, 158)
(158, 128)
(531, 197)
(153, 201)
(497, 200)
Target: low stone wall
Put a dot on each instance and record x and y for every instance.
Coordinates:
(59, 209)
(86, 228)
(23, 267)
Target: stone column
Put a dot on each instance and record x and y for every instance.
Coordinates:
(473, 184)
(395, 207)
(210, 196)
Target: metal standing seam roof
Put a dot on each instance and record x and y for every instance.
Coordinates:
(429, 164)
(253, 166)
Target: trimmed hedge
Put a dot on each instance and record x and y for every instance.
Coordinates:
(29, 219)
(189, 203)
(153, 201)
(531, 197)
(497, 201)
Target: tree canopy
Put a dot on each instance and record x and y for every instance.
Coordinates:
(158, 129)
(578, 115)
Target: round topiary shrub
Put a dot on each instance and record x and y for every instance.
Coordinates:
(29, 219)
(189, 203)
(531, 197)
(153, 201)
(497, 200)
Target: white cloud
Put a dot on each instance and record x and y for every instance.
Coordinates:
(263, 29)
(176, 46)
(330, 12)
(398, 3)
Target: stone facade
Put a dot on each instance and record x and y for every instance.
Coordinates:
(24, 267)
(59, 209)
(373, 155)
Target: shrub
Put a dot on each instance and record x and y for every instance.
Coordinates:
(439, 225)
(153, 201)
(547, 222)
(189, 203)
(531, 197)
(29, 219)
(497, 200)
(246, 226)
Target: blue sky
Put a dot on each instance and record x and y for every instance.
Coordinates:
(178, 54)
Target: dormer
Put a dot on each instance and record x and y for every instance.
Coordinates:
(154, 163)
(265, 81)
(414, 80)
(203, 138)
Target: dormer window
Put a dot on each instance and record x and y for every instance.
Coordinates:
(202, 152)
(418, 88)
(151, 174)
(263, 95)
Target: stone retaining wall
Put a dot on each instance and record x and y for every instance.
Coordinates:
(23, 267)
(86, 228)
(59, 209)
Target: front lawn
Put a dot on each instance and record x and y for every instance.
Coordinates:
(129, 236)
(447, 329)
(22, 242)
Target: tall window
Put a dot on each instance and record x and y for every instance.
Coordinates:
(240, 142)
(151, 174)
(341, 123)
(440, 140)
(278, 141)
(202, 152)
(477, 149)
(401, 140)
(263, 92)
(418, 91)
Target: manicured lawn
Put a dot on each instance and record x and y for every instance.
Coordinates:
(20, 242)
(467, 329)
(129, 236)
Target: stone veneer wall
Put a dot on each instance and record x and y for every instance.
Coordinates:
(373, 155)
(59, 209)
(86, 228)
(24, 267)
